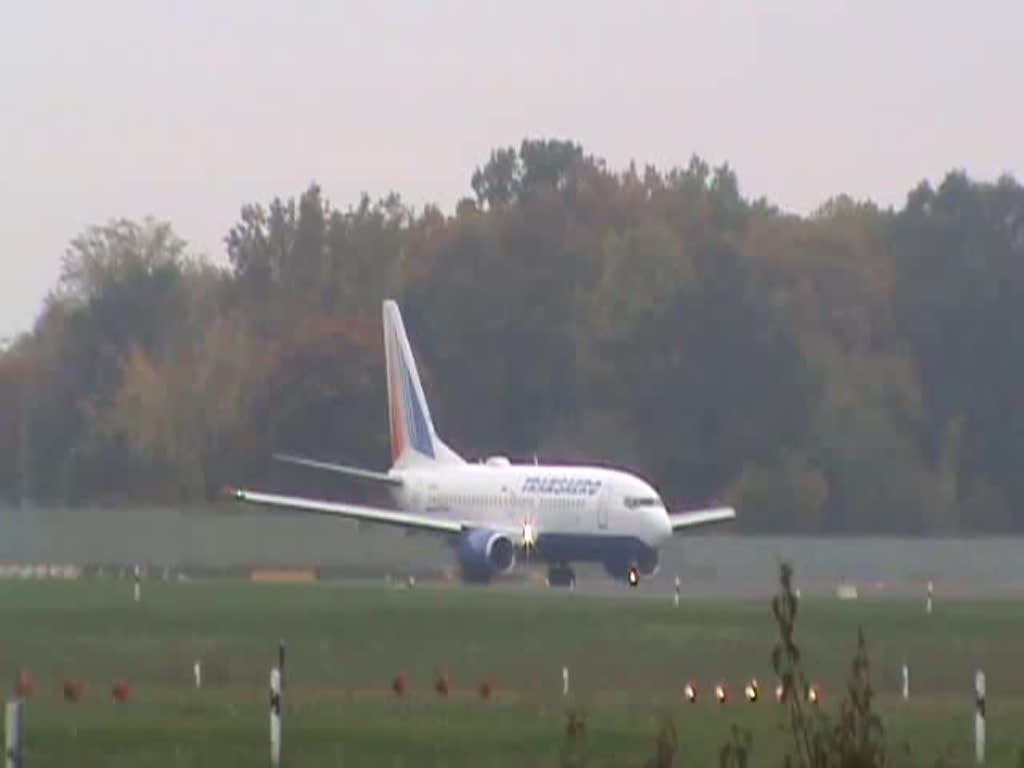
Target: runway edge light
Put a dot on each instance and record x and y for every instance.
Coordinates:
(751, 691)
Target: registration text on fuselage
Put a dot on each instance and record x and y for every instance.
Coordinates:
(561, 486)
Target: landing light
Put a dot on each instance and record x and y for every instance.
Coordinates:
(529, 536)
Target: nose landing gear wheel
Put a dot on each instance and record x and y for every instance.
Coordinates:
(633, 576)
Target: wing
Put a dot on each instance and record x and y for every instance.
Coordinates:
(362, 474)
(697, 517)
(351, 512)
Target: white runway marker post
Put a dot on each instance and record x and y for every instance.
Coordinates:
(676, 599)
(565, 681)
(197, 672)
(928, 602)
(979, 717)
(906, 682)
(275, 717)
(14, 730)
(137, 589)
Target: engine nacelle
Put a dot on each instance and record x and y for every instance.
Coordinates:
(483, 553)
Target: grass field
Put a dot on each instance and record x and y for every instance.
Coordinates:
(628, 657)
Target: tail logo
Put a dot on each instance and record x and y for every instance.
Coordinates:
(409, 425)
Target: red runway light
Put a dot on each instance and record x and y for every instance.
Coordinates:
(441, 684)
(23, 684)
(398, 684)
(73, 690)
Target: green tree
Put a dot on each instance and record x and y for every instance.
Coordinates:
(856, 369)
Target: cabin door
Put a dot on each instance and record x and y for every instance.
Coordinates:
(602, 509)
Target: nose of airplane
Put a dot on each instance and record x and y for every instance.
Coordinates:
(662, 525)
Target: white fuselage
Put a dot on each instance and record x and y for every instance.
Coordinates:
(555, 501)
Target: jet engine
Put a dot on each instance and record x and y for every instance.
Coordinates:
(483, 554)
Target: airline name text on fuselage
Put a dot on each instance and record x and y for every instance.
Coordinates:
(563, 486)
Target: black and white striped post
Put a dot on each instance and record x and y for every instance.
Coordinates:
(979, 717)
(928, 603)
(275, 717)
(137, 589)
(14, 729)
(676, 599)
(280, 661)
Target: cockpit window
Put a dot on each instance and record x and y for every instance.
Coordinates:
(632, 502)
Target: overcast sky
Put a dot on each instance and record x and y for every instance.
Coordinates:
(185, 110)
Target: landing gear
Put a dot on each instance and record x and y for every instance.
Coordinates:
(561, 576)
(633, 576)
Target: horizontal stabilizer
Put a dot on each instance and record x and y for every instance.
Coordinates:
(362, 474)
(351, 511)
(698, 517)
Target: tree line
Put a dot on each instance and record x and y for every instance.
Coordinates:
(854, 370)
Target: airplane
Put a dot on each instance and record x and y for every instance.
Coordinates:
(495, 512)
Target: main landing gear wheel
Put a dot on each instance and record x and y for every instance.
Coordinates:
(561, 576)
